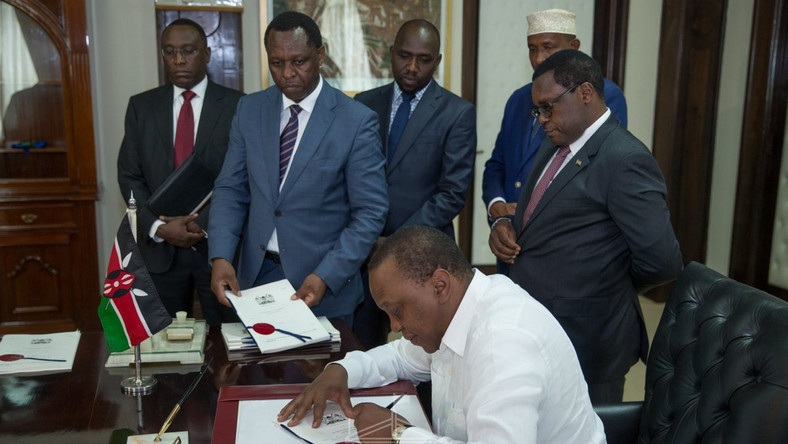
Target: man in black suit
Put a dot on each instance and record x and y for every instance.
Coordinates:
(591, 229)
(430, 158)
(152, 149)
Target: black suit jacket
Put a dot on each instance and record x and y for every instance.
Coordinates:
(146, 154)
(432, 169)
(600, 234)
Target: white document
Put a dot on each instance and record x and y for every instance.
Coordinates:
(38, 354)
(336, 427)
(275, 321)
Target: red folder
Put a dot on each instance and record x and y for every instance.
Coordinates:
(226, 421)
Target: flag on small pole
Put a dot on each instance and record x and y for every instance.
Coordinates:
(130, 310)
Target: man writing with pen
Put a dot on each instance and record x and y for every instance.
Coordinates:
(502, 369)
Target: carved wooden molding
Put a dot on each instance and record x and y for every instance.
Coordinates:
(31, 258)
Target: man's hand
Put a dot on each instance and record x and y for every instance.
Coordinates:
(223, 278)
(329, 385)
(375, 423)
(175, 231)
(312, 290)
(500, 208)
(502, 241)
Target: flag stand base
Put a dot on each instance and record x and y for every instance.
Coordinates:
(137, 384)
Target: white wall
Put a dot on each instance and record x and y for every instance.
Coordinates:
(503, 67)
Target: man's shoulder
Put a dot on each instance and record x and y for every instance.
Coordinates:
(224, 91)
(153, 93)
(370, 95)
(611, 89)
(452, 100)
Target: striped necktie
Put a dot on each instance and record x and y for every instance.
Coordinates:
(287, 141)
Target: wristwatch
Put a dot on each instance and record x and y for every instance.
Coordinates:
(396, 435)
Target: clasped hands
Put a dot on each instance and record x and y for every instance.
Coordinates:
(180, 231)
(373, 422)
(503, 239)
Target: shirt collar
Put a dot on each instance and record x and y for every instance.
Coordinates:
(416, 98)
(575, 146)
(459, 328)
(308, 102)
(198, 89)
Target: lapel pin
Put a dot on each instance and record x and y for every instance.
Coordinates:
(578, 162)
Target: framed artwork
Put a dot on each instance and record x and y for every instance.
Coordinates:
(357, 35)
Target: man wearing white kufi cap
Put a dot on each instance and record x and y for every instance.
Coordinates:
(520, 136)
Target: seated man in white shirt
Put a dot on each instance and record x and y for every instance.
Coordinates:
(502, 369)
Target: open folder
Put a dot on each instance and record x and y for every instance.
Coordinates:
(229, 426)
(185, 191)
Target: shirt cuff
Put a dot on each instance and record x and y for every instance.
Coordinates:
(415, 434)
(152, 233)
(494, 200)
(353, 369)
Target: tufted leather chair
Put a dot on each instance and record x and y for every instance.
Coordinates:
(717, 371)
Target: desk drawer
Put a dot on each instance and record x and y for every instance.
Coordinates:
(22, 216)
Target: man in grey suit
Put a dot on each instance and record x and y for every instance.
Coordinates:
(303, 186)
(147, 157)
(430, 169)
(591, 228)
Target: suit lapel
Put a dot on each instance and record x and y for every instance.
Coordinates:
(576, 164)
(426, 108)
(382, 106)
(211, 110)
(319, 121)
(162, 111)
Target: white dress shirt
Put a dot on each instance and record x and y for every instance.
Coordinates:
(505, 372)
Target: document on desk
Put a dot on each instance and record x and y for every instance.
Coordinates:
(38, 354)
(335, 427)
(276, 322)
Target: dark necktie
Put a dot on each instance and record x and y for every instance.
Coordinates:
(399, 123)
(287, 141)
(544, 182)
(184, 133)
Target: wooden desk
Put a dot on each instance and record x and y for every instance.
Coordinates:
(87, 406)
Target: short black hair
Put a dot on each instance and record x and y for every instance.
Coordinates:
(418, 251)
(193, 24)
(422, 24)
(571, 67)
(290, 20)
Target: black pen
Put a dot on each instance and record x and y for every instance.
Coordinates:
(177, 408)
(394, 401)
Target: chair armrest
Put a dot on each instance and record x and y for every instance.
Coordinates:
(621, 421)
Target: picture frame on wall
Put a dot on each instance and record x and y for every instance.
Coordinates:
(357, 35)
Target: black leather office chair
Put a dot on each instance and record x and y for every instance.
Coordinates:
(717, 371)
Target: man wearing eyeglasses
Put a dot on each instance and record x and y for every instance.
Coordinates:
(189, 114)
(591, 229)
(507, 169)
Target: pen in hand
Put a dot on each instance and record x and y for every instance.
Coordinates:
(392, 403)
(177, 408)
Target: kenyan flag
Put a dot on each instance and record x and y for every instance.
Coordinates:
(130, 310)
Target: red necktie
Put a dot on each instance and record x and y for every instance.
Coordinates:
(184, 133)
(544, 182)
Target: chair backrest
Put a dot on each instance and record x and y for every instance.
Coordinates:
(718, 367)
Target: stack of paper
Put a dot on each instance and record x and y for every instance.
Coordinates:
(241, 346)
(272, 323)
(158, 349)
(38, 354)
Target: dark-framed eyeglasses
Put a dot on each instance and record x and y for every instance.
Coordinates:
(171, 53)
(547, 110)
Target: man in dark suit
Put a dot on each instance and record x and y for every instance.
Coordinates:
(148, 156)
(430, 169)
(521, 135)
(591, 228)
(303, 186)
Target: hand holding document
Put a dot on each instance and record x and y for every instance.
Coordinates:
(276, 322)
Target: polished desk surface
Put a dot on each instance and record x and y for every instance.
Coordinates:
(87, 406)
